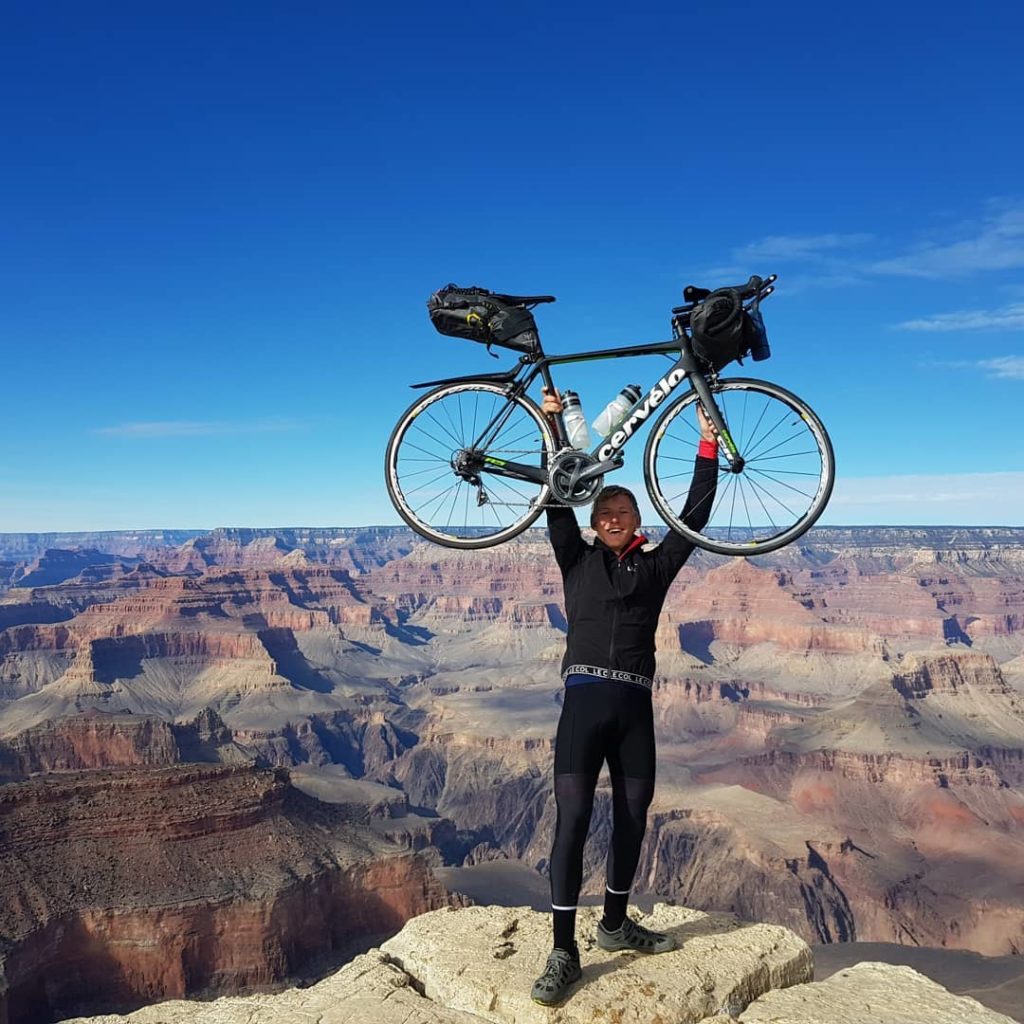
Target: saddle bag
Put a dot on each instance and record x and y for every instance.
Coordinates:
(480, 315)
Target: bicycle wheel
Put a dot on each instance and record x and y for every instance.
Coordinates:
(444, 459)
(785, 482)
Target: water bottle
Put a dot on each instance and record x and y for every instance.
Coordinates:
(574, 420)
(759, 348)
(615, 411)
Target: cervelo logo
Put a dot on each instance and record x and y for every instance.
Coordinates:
(655, 397)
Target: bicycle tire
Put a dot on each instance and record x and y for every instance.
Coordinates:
(753, 411)
(431, 435)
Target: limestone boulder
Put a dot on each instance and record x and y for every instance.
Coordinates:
(870, 993)
(484, 959)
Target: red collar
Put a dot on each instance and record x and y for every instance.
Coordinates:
(638, 542)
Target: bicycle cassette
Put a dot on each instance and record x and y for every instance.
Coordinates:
(564, 478)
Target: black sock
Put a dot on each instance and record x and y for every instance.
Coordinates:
(615, 904)
(565, 930)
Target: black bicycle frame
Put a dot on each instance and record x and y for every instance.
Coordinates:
(608, 452)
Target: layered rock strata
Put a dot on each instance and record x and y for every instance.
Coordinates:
(125, 886)
(840, 749)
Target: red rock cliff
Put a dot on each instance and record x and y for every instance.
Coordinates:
(123, 887)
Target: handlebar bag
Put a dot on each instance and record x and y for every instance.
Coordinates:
(477, 314)
(723, 331)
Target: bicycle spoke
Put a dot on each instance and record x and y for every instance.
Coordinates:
(732, 508)
(743, 418)
(497, 424)
(703, 501)
(764, 411)
(455, 431)
(775, 426)
(476, 407)
(743, 495)
(452, 437)
(788, 455)
(773, 497)
(506, 446)
(720, 497)
(758, 455)
(440, 476)
(766, 512)
(437, 499)
(432, 468)
(797, 490)
(440, 444)
(503, 482)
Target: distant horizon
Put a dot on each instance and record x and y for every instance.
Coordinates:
(538, 525)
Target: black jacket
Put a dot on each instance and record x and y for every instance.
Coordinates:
(612, 603)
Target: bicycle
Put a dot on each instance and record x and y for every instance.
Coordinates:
(474, 462)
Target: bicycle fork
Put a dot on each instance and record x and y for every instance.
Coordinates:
(726, 445)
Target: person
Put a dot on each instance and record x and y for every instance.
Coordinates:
(614, 591)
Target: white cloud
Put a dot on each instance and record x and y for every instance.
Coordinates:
(992, 242)
(196, 428)
(1007, 318)
(961, 499)
(1003, 367)
(996, 244)
(784, 248)
(1008, 367)
(826, 254)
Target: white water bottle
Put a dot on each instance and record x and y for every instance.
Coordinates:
(574, 420)
(616, 410)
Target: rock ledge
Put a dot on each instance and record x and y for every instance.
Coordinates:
(476, 964)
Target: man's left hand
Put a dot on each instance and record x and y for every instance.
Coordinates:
(707, 428)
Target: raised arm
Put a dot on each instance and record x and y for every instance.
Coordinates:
(563, 529)
(675, 549)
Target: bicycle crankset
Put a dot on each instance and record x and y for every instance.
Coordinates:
(564, 478)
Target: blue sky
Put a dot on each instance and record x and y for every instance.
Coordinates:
(221, 222)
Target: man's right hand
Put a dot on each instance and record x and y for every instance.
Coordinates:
(552, 404)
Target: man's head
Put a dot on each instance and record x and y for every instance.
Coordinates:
(615, 517)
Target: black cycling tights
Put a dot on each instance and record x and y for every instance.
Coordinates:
(601, 721)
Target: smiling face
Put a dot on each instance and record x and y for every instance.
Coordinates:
(616, 521)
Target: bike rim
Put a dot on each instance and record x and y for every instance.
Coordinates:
(446, 431)
(785, 482)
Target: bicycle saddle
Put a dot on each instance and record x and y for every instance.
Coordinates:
(523, 300)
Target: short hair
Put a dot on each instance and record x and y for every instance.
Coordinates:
(613, 491)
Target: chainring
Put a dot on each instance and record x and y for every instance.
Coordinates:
(563, 478)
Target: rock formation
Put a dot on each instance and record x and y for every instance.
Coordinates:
(840, 732)
(124, 886)
(477, 964)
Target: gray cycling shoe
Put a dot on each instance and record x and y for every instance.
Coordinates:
(561, 971)
(630, 935)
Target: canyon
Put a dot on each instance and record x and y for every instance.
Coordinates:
(840, 724)
(156, 877)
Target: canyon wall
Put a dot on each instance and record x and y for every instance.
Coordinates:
(839, 724)
(129, 885)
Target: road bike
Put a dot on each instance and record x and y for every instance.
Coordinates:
(474, 462)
